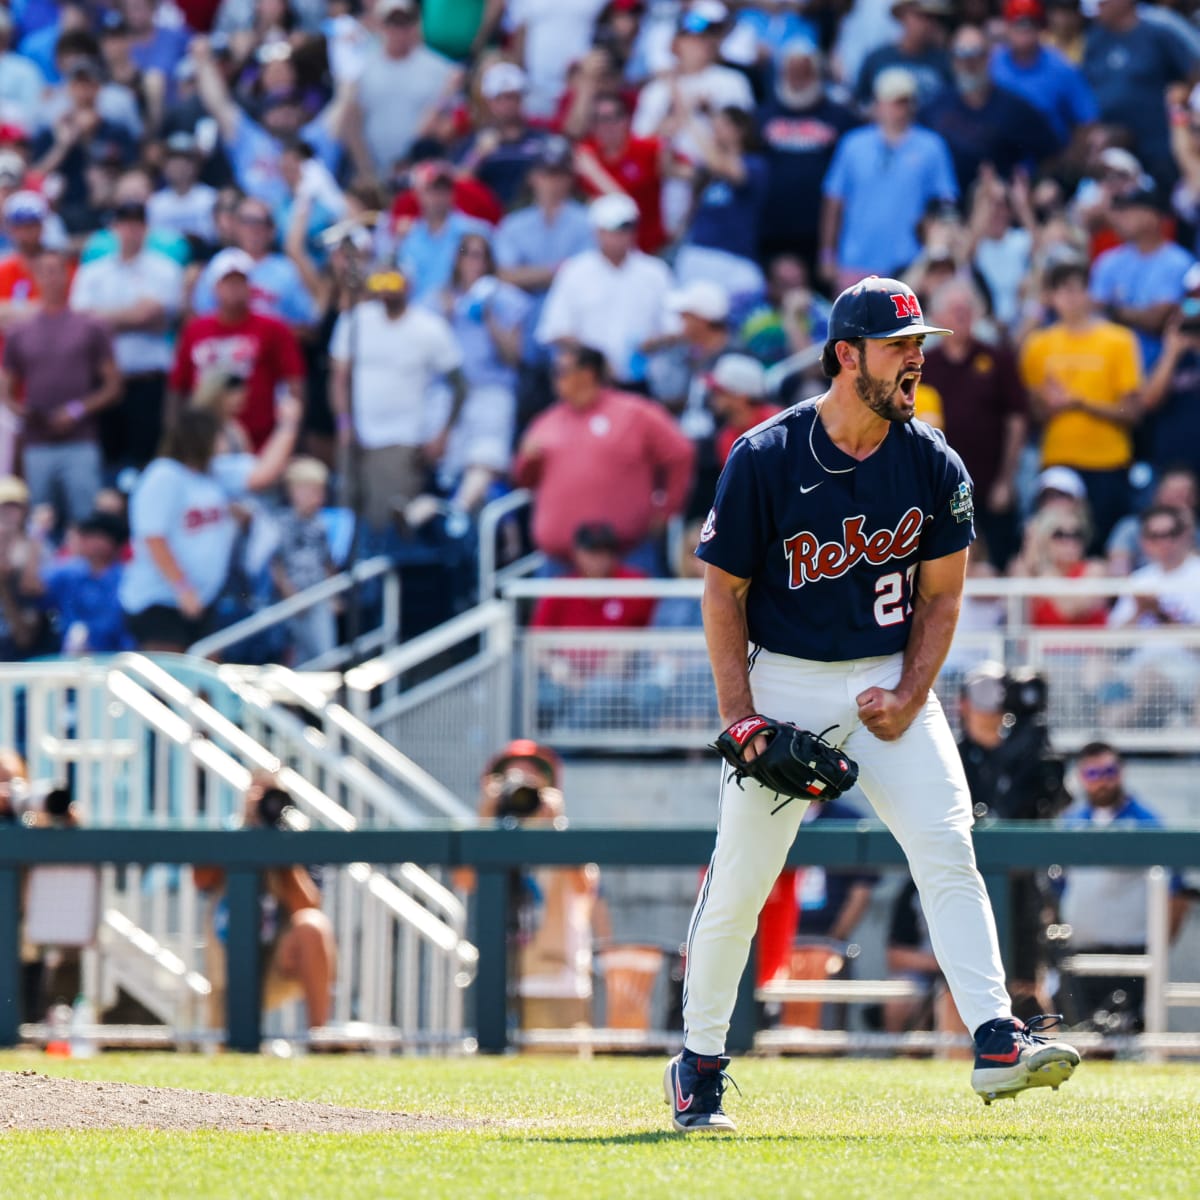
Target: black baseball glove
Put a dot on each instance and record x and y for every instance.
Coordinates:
(796, 763)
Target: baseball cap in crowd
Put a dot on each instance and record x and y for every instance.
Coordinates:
(740, 375)
(526, 750)
(501, 78)
(181, 143)
(1024, 10)
(25, 208)
(895, 83)
(386, 282)
(107, 524)
(1120, 161)
(614, 211)
(705, 16)
(878, 308)
(231, 261)
(701, 298)
(983, 686)
(596, 535)
(434, 171)
(389, 8)
(1145, 195)
(13, 490)
(799, 47)
(555, 154)
(1062, 479)
(306, 469)
(84, 67)
(12, 168)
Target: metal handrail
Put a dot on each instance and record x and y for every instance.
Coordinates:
(319, 593)
(490, 517)
(378, 671)
(800, 361)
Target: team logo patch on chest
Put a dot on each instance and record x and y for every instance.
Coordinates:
(810, 559)
(962, 503)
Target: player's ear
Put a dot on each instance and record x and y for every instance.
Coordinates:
(847, 355)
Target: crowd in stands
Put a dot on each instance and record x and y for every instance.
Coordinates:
(272, 266)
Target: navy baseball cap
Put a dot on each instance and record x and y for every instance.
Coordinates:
(878, 308)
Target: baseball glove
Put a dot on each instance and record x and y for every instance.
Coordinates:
(797, 763)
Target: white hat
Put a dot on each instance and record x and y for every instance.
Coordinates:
(231, 261)
(502, 77)
(613, 211)
(1116, 159)
(739, 374)
(1062, 479)
(895, 83)
(701, 298)
(26, 206)
(385, 7)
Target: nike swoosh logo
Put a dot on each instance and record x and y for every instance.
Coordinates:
(1010, 1057)
(681, 1104)
(811, 487)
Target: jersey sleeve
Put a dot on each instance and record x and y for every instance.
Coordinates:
(737, 532)
(951, 525)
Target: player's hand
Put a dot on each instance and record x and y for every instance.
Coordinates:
(755, 746)
(884, 713)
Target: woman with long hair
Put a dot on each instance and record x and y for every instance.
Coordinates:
(183, 526)
(488, 317)
(223, 392)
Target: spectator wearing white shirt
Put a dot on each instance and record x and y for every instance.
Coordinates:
(137, 294)
(613, 297)
(386, 357)
(678, 106)
(552, 35)
(185, 206)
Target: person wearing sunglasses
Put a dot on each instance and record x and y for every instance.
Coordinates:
(1105, 908)
(1055, 542)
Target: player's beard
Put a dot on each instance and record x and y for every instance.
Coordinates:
(880, 395)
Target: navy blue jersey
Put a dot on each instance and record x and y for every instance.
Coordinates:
(832, 545)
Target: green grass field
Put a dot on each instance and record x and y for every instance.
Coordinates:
(565, 1128)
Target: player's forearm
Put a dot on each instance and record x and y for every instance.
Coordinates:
(934, 619)
(727, 638)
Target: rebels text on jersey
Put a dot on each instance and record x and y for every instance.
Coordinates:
(831, 545)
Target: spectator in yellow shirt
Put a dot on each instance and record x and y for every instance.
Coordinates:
(1084, 375)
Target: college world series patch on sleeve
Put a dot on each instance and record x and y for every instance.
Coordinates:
(962, 503)
(710, 526)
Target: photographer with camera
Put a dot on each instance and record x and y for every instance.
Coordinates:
(300, 959)
(1015, 776)
(554, 911)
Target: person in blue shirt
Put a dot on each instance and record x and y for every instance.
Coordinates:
(1040, 74)
(276, 285)
(879, 186)
(1140, 282)
(82, 591)
(721, 243)
(1106, 908)
(427, 250)
(982, 123)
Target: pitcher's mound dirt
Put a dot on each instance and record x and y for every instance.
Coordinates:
(29, 1100)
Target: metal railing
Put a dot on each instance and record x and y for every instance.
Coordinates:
(444, 698)
(139, 747)
(283, 611)
(623, 688)
(492, 519)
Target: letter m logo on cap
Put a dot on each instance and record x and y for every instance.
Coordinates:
(907, 306)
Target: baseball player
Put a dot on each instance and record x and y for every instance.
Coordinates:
(834, 562)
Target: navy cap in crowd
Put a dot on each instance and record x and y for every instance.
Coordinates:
(878, 308)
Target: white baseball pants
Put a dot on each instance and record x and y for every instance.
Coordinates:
(918, 789)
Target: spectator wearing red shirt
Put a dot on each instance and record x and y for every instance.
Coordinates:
(610, 159)
(602, 455)
(470, 197)
(738, 395)
(259, 348)
(590, 688)
(24, 216)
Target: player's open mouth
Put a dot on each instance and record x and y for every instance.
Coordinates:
(908, 384)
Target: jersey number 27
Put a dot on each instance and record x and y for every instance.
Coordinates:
(891, 604)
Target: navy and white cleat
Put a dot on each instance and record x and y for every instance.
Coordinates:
(1011, 1056)
(694, 1087)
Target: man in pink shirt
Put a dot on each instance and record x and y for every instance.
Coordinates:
(600, 455)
